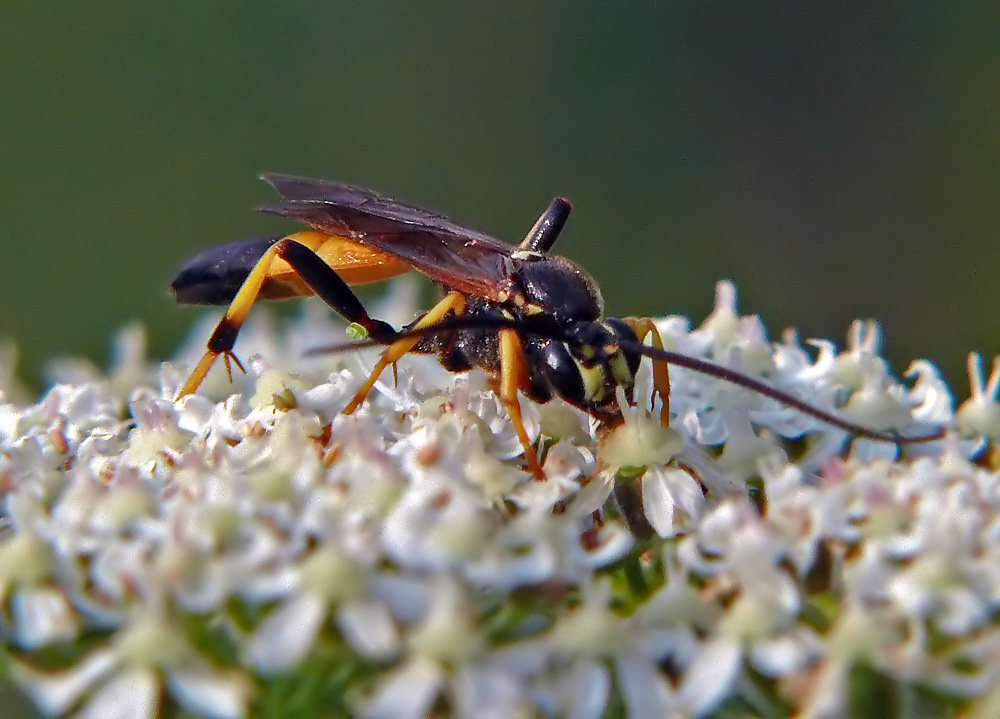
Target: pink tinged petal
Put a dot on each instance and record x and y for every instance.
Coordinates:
(286, 636)
(643, 687)
(55, 693)
(409, 692)
(585, 691)
(130, 695)
(369, 629)
(42, 615)
(209, 693)
(711, 676)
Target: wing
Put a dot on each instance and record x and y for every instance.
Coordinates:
(435, 246)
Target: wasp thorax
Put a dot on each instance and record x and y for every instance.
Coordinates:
(559, 289)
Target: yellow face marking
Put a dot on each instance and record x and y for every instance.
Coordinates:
(593, 382)
(620, 370)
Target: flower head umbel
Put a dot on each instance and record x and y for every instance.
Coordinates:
(251, 547)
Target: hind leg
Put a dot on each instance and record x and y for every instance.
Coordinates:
(299, 251)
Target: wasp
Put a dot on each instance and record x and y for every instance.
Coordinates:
(531, 320)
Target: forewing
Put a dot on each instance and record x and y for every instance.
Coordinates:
(432, 244)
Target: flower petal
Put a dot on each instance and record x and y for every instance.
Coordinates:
(210, 693)
(408, 693)
(130, 695)
(42, 615)
(710, 677)
(368, 627)
(55, 693)
(285, 637)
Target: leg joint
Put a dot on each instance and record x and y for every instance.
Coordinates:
(224, 336)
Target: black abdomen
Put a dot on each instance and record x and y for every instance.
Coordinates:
(213, 277)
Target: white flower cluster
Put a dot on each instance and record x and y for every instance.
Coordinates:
(265, 552)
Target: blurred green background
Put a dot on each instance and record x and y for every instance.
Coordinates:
(834, 160)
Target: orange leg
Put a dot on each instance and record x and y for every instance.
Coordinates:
(303, 263)
(238, 310)
(451, 302)
(644, 327)
(512, 372)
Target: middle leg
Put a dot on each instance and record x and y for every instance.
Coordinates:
(513, 373)
(453, 302)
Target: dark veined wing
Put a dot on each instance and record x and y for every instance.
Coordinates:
(432, 244)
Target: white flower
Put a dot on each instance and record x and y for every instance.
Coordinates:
(447, 654)
(672, 500)
(597, 645)
(327, 581)
(125, 678)
(31, 576)
(408, 537)
(980, 414)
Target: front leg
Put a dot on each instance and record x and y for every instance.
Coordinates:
(643, 327)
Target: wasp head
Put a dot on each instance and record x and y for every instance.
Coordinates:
(590, 361)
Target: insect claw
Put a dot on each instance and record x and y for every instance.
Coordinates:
(230, 357)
